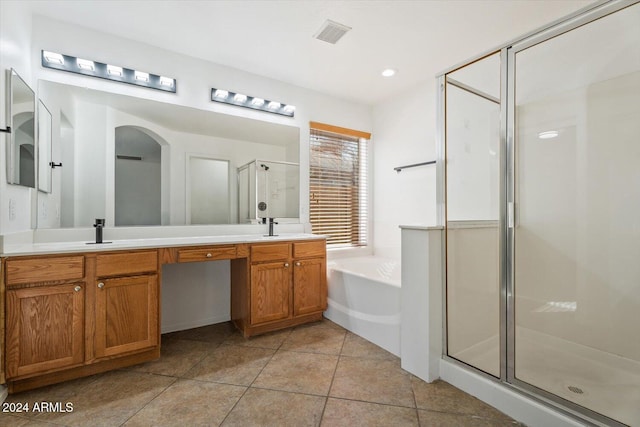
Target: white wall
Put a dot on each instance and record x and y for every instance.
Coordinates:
(578, 229)
(404, 128)
(92, 132)
(195, 294)
(403, 133)
(195, 78)
(15, 42)
(59, 206)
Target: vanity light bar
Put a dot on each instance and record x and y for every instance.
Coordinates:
(252, 102)
(111, 72)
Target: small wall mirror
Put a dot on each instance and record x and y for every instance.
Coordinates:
(21, 150)
(44, 148)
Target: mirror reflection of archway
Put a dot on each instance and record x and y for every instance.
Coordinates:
(138, 176)
(24, 142)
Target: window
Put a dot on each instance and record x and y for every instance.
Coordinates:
(338, 184)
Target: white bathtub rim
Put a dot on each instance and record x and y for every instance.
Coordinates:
(393, 319)
(342, 266)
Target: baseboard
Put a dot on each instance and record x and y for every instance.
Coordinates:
(194, 324)
(518, 406)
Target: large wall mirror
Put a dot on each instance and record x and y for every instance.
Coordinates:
(21, 116)
(137, 162)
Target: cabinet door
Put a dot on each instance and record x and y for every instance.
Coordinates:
(309, 286)
(126, 315)
(270, 291)
(45, 328)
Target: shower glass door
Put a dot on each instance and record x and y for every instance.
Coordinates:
(473, 214)
(576, 239)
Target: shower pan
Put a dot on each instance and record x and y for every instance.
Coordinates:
(541, 205)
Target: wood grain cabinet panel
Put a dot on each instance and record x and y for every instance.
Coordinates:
(287, 286)
(270, 252)
(312, 249)
(126, 315)
(44, 328)
(120, 264)
(309, 286)
(206, 254)
(270, 291)
(43, 269)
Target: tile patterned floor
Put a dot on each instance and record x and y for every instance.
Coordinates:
(313, 375)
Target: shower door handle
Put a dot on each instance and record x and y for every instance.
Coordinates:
(510, 215)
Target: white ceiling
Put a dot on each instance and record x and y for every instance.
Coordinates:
(275, 38)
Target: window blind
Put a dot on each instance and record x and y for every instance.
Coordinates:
(338, 187)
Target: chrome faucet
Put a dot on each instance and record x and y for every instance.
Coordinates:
(99, 225)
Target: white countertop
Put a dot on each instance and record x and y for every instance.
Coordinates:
(20, 249)
(421, 227)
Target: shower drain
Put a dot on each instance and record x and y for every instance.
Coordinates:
(574, 389)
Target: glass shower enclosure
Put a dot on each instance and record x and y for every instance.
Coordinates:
(268, 189)
(542, 214)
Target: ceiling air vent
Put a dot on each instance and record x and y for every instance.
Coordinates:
(331, 32)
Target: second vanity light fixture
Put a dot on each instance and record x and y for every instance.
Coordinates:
(232, 98)
(86, 67)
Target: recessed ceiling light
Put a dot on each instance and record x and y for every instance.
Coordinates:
(389, 72)
(273, 105)
(548, 134)
(258, 102)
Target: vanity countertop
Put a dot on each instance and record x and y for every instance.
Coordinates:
(22, 249)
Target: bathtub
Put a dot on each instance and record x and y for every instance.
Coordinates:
(364, 298)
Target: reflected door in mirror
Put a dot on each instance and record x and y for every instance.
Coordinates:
(207, 190)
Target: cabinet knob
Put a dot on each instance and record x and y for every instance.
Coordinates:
(101, 285)
(209, 255)
(286, 264)
(298, 264)
(77, 288)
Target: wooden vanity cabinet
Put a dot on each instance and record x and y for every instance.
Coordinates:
(270, 287)
(69, 316)
(45, 313)
(45, 328)
(126, 303)
(72, 316)
(309, 277)
(287, 286)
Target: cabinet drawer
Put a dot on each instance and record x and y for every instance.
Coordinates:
(316, 248)
(21, 271)
(126, 263)
(206, 254)
(273, 252)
